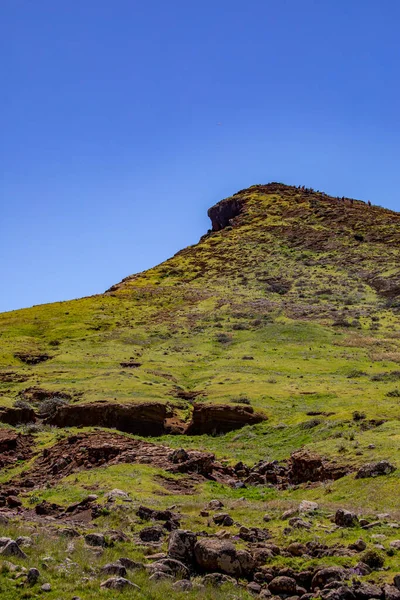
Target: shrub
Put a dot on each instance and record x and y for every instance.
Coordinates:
(358, 416)
(50, 406)
(21, 404)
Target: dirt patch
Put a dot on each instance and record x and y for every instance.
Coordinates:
(14, 446)
(88, 451)
(12, 377)
(35, 395)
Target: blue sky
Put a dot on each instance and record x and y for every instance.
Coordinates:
(123, 121)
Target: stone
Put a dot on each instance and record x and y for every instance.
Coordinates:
(367, 591)
(181, 545)
(95, 539)
(151, 534)
(114, 569)
(327, 575)
(217, 579)
(24, 540)
(306, 506)
(46, 587)
(395, 544)
(116, 493)
(33, 576)
(184, 585)
(215, 504)
(391, 592)
(172, 567)
(375, 469)
(223, 519)
(358, 546)
(345, 518)
(299, 523)
(178, 456)
(118, 583)
(220, 555)
(12, 549)
(296, 549)
(13, 502)
(289, 513)
(254, 588)
(282, 585)
(221, 418)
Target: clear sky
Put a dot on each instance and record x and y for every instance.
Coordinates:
(122, 121)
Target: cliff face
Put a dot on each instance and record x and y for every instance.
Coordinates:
(221, 214)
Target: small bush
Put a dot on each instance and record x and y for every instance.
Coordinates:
(50, 406)
(393, 394)
(358, 416)
(241, 401)
(21, 404)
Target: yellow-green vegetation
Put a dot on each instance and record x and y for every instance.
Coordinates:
(293, 307)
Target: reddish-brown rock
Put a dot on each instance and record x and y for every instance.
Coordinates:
(144, 418)
(221, 418)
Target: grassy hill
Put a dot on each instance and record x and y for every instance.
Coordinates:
(290, 304)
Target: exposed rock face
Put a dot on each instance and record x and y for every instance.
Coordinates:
(181, 545)
(17, 416)
(221, 418)
(145, 418)
(217, 555)
(305, 466)
(383, 467)
(345, 518)
(221, 214)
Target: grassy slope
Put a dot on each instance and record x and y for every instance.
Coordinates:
(289, 286)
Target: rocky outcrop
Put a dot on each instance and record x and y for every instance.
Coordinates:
(221, 214)
(17, 416)
(383, 467)
(219, 555)
(305, 466)
(221, 418)
(145, 418)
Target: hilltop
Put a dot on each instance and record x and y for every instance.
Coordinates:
(267, 354)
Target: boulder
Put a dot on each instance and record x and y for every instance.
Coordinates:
(95, 539)
(391, 592)
(345, 518)
(12, 549)
(32, 576)
(151, 534)
(366, 591)
(118, 583)
(114, 569)
(307, 466)
(223, 519)
(221, 418)
(181, 545)
(327, 575)
(282, 585)
(173, 567)
(220, 555)
(375, 469)
(306, 506)
(217, 579)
